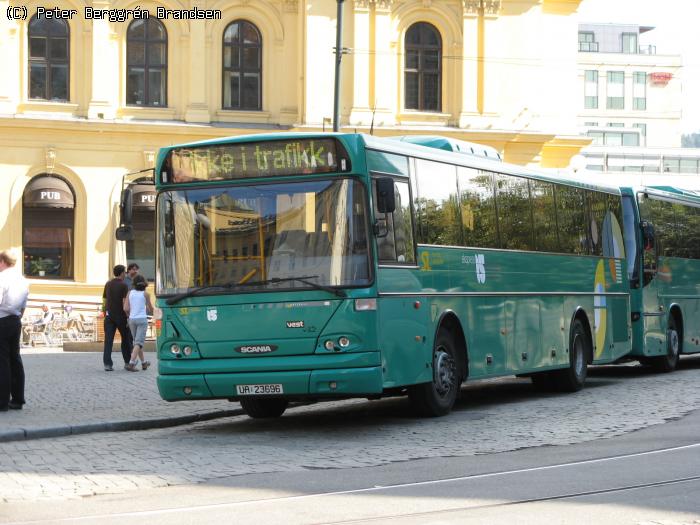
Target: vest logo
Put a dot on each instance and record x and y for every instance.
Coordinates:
(295, 324)
(256, 349)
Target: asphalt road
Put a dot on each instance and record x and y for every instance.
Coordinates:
(507, 455)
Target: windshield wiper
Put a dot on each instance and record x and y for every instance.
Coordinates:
(335, 291)
(229, 286)
(195, 291)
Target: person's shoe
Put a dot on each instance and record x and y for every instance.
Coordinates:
(130, 367)
(15, 406)
(108, 369)
(145, 365)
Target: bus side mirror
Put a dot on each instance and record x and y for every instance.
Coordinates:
(386, 199)
(648, 236)
(125, 231)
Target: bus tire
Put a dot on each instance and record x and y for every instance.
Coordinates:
(264, 408)
(438, 397)
(668, 362)
(572, 378)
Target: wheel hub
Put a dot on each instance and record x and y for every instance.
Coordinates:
(673, 343)
(444, 372)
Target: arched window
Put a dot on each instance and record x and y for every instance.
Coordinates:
(422, 68)
(48, 59)
(146, 63)
(242, 66)
(48, 219)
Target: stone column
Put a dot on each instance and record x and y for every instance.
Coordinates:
(105, 76)
(197, 109)
(10, 51)
(361, 111)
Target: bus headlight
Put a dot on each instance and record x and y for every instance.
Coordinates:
(344, 342)
(363, 305)
(174, 349)
(329, 345)
(187, 350)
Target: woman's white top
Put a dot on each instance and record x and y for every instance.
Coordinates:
(137, 304)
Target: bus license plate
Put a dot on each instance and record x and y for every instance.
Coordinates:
(259, 390)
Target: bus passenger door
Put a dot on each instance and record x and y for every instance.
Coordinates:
(403, 314)
(652, 309)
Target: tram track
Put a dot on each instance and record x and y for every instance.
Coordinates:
(393, 490)
(467, 508)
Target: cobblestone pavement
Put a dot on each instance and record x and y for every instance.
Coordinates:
(493, 416)
(71, 392)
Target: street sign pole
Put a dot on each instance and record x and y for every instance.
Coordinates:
(338, 58)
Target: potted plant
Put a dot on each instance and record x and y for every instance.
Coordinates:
(37, 266)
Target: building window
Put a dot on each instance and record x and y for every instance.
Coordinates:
(242, 67)
(422, 68)
(47, 228)
(586, 42)
(640, 90)
(629, 43)
(614, 138)
(591, 90)
(616, 90)
(48, 59)
(642, 132)
(146, 63)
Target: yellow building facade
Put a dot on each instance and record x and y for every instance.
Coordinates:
(91, 90)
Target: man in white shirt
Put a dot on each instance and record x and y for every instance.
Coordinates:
(13, 300)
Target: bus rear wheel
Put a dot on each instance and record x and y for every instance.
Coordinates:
(438, 397)
(668, 362)
(571, 379)
(264, 408)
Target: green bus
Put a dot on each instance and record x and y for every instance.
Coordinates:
(663, 247)
(299, 266)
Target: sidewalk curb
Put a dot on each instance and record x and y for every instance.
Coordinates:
(113, 426)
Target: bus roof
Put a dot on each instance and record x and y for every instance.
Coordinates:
(673, 194)
(450, 144)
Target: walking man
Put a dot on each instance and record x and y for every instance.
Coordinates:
(115, 318)
(131, 271)
(13, 300)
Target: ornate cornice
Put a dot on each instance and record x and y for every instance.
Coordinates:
(490, 7)
(384, 5)
(290, 6)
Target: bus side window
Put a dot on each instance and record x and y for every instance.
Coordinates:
(397, 246)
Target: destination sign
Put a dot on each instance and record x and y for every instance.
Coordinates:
(254, 159)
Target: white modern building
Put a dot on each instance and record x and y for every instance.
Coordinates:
(629, 95)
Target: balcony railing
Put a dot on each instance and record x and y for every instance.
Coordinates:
(588, 47)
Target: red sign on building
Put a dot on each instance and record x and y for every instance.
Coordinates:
(660, 77)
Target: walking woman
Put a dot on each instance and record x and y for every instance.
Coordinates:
(138, 305)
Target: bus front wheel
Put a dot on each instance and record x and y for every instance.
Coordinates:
(438, 397)
(264, 408)
(571, 379)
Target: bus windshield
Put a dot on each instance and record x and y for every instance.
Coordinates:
(263, 237)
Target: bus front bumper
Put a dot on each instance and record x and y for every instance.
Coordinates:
(198, 379)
